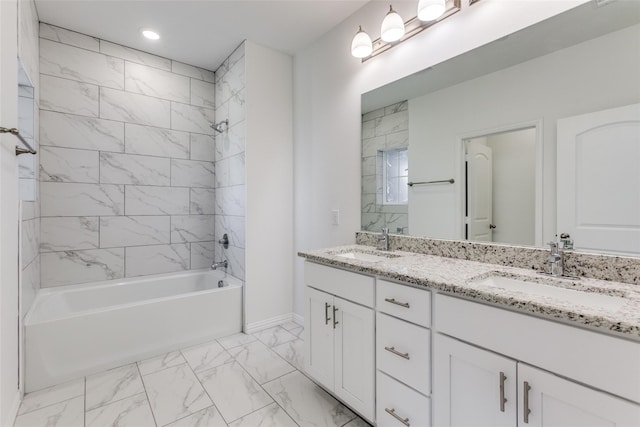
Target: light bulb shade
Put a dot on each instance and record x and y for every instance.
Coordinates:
(392, 27)
(428, 10)
(361, 46)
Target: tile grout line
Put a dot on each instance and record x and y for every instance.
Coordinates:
(144, 387)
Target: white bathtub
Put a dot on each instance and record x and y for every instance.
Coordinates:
(77, 330)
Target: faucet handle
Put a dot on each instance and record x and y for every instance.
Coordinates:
(385, 230)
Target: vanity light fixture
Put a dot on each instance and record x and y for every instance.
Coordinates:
(394, 31)
(150, 34)
(392, 28)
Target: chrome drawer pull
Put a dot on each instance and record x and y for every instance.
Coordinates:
(392, 412)
(503, 399)
(397, 353)
(326, 313)
(526, 411)
(393, 301)
(335, 319)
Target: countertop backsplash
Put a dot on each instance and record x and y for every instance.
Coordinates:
(596, 266)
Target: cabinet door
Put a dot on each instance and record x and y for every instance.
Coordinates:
(354, 356)
(319, 344)
(469, 384)
(554, 401)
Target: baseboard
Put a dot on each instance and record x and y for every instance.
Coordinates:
(250, 328)
(298, 319)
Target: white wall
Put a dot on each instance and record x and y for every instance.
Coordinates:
(269, 202)
(568, 82)
(328, 83)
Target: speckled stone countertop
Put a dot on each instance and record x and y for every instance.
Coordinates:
(464, 278)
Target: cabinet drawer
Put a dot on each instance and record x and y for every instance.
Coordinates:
(404, 302)
(403, 351)
(350, 286)
(405, 403)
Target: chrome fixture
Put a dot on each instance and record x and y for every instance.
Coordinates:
(450, 181)
(394, 31)
(555, 259)
(224, 241)
(383, 238)
(19, 150)
(217, 265)
(221, 283)
(222, 126)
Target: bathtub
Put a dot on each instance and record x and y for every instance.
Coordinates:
(82, 329)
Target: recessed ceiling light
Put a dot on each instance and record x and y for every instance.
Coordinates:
(150, 34)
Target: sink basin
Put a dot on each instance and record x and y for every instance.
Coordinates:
(365, 256)
(557, 292)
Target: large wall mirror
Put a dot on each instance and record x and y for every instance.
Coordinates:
(530, 136)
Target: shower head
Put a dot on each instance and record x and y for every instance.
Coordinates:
(221, 126)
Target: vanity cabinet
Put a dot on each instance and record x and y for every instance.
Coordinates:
(498, 386)
(339, 326)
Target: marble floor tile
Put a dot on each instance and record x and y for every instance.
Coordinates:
(236, 340)
(209, 417)
(49, 396)
(297, 331)
(206, 356)
(290, 325)
(358, 422)
(132, 411)
(269, 416)
(307, 403)
(69, 413)
(274, 336)
(292, 352)
(175, 393)
(233, 391)
(158, 363)
(260, 362)
(112, 385)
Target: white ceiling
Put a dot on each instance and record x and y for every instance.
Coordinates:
(202, 32)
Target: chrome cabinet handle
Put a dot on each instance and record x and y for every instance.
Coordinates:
(392, 412)
(527, 411)
(397, 353)
(326, 313)
(393, 301)
(503, 400)
(335, 321)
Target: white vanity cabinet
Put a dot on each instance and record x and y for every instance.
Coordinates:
(339, 328)
(497, 386)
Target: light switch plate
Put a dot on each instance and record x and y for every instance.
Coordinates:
(335, 216)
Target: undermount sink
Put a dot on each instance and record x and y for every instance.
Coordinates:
(556, 291)
(366, 256)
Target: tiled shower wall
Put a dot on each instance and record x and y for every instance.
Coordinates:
(126, 164)
(230, 161)
(382, 129)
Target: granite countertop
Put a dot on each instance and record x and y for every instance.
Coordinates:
(619, 314)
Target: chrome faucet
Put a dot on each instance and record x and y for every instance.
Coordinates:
(217, 265)
(555, 259)
(383, 238)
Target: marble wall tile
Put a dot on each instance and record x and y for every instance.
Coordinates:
(222, 173)
(118, 231)
(394, 108)
(68, 96)
(191, 71)
(202, 254)
(373, 115)
(57, 34)
(71, 131)
(202, 147)
(70, 199)
(134, 55)
(373, 221)
(368, 129)
(69, 62)
(230, 200)
(191, 228)
(158, 83)
(233, 109)
(233, 226)
(27, 188)
(237, 169)
(133, 169)
(145, 200)
(191, 173)
(25, 91)
(30, 241)
(235, 256)
(202, 201)
(30, 284)
(26, 166)
(202, 94)
(134, 108)
(26, 117)
(192, 119)
(156, 141)
(29, 210)
(392, 123)
(397, 139)
(131, 411)
(112, 385)
(369, 165)
(71, 267)
(231, 142)
(175, 393)
(69, 413)
(68, 165)
(232, 82)
(156, 259)
(69, 233)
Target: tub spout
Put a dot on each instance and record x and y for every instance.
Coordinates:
(217, 265)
